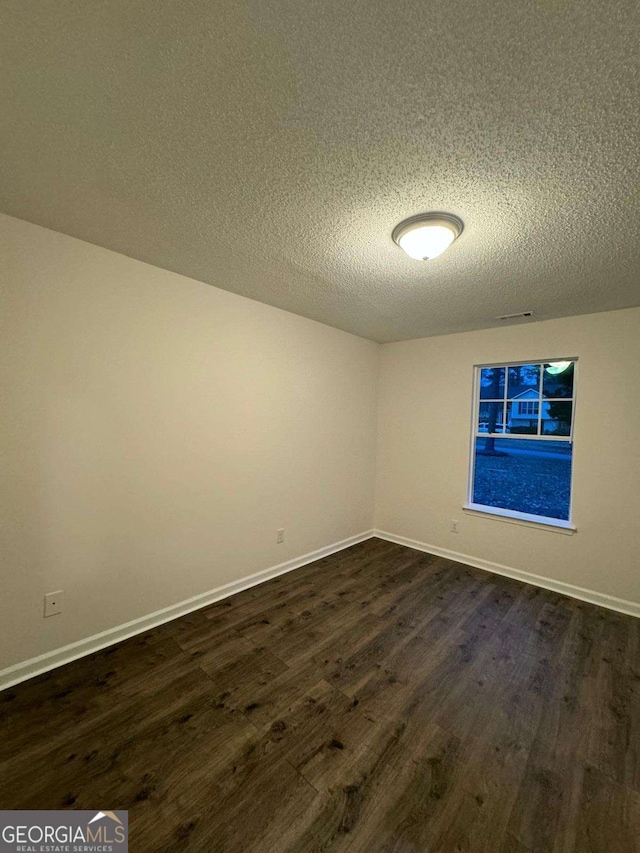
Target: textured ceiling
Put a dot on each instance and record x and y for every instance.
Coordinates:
(269, 148)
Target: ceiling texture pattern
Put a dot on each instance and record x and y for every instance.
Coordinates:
(269, 148)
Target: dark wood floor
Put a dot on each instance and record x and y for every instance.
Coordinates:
(379, 699)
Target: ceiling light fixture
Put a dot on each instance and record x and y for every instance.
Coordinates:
(556, 367)
(427, 235)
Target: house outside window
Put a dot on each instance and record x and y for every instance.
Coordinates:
(522, 448)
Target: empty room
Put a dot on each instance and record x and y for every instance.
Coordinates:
(320, 432)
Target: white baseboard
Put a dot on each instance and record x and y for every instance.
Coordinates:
(631, 608)
(51, 660)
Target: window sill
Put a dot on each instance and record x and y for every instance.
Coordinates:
(554, 525)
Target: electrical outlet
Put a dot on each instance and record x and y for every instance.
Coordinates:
(53, 603)
(454, 526)
(280, 536)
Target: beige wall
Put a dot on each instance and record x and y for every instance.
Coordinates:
(156, 432)
(424, 434)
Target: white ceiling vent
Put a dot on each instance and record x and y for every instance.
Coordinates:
(515, 316)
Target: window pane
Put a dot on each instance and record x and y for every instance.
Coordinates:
(490, 417)
(492, 383)
(558, 379)
(532, 476)
(522, 417)
(556, 418)
(523, 379)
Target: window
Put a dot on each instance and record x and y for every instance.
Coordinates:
(522, 441)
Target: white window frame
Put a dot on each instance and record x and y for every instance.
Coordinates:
(512, 516)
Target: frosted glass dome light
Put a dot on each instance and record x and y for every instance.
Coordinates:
(427, 235)
(557, 367)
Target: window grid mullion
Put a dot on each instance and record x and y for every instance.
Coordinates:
(540, 399)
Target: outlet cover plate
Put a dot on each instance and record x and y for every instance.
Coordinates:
(53, 603)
